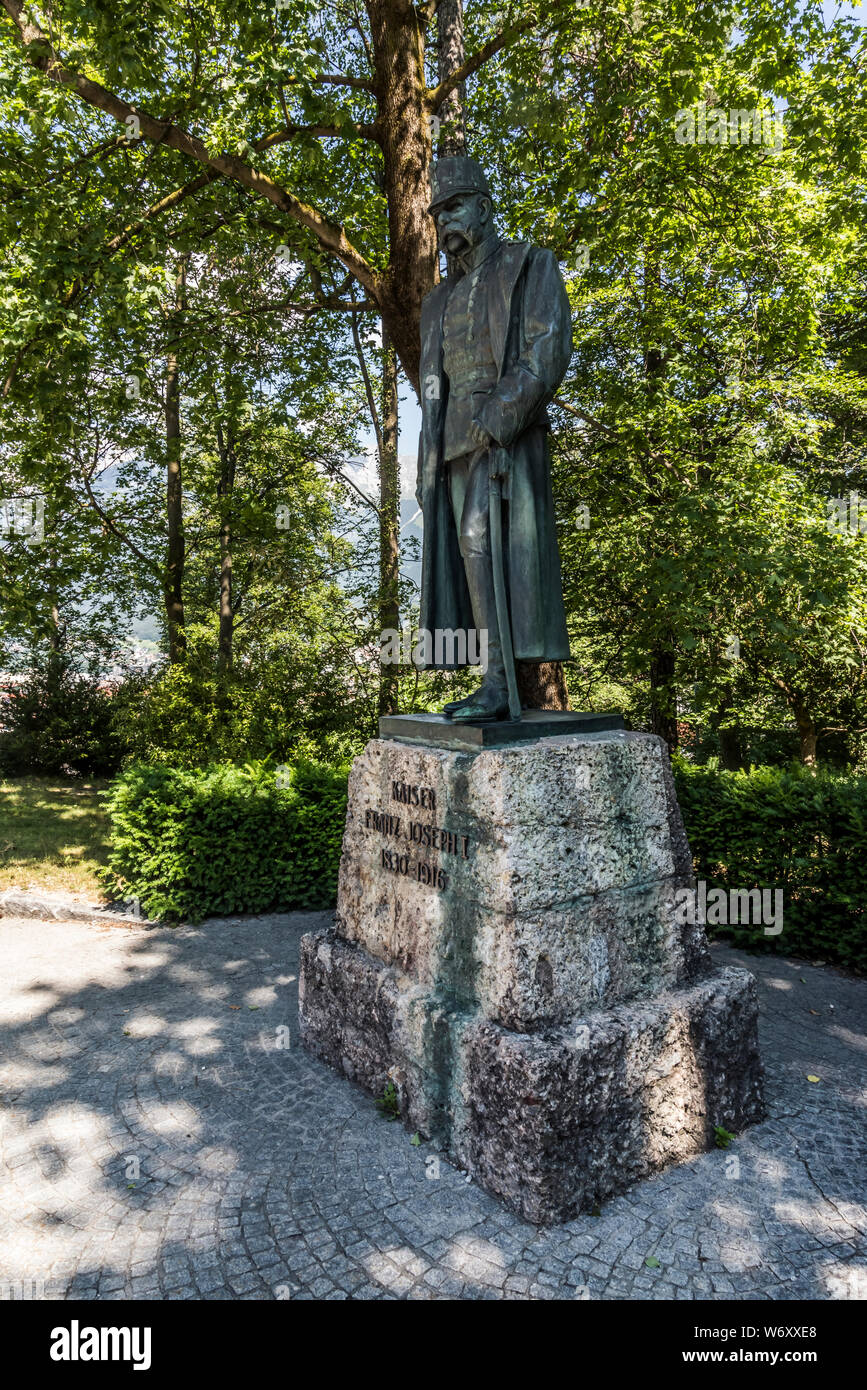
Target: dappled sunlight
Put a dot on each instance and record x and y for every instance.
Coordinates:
(145, 1025)
(205, 1046)
(183, 974)
(396, 1268)
(260, 996)
(849, 1037)
(193, 1028)
(772, 1170)
(670, 1087)
(77, 1124)
(176, 1117)
(17, 1007)
(82, 1169)
(814, 1215)
(20, 1076)
(474, 1258)
(150, 959)
(53, 835)
(156, 1138)
(216, 1160)
(730, 1215)
(844, 1281)
(66, 1014)
(170, 1064)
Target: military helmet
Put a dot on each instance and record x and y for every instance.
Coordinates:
(456, 174)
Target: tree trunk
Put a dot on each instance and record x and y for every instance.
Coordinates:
(389, 521)
(401, 127)
(175, 553)
(224, 491)
(450, 55)
(731, 750)
(542, 684)
(731, 739)
(56, 626)
(808, 734)
(808, 738)
(405, 136)
(55, 630)
(663, 695)
(663, 699)
(227, 615)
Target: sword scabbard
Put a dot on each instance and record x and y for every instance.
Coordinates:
(495, 520)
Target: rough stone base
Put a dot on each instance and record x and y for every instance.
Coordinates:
(560, 884)
(550, 1122)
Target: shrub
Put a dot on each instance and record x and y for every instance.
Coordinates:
(789, 829)
(180, 715)
(190, 715)
(58, 721)
(189, 843)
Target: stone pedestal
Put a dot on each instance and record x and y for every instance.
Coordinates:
(509, 952)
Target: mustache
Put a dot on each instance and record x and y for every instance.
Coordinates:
(456, 232)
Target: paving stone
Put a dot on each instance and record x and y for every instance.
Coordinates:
(323, 1199)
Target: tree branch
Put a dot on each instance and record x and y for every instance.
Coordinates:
(42, 56)
(437, 95)
(120, 533)
(583, 415)
(342, 79)
(78, 285)
(368, 388)
(116, 142)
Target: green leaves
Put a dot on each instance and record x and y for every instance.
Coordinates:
(782, 828)
(718, 378)
(389, 1102)
(225, 839)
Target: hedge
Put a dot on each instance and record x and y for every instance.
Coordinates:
(788, 829)
(225, 839)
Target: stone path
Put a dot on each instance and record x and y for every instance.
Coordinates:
(159, 1139)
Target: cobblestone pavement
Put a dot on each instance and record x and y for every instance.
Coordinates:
(160, 1140)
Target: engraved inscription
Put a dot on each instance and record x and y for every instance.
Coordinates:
(412, 795)
(397, 860)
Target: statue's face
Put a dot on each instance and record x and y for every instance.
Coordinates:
(462, 222)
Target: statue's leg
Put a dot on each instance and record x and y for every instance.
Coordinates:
(491, 700)
(459, 473)
(459, 476)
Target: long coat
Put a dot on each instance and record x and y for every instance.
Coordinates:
(531, 333)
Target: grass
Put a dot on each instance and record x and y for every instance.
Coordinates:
(53, 834)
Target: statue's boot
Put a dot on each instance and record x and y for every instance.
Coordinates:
(491, 700)
(449, 709)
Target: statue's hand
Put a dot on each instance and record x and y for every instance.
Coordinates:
(480, 436)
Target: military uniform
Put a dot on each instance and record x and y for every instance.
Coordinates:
(496, 344)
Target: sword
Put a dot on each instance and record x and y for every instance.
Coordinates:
(498, 456)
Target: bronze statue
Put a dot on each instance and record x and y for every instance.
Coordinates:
(496, 341)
